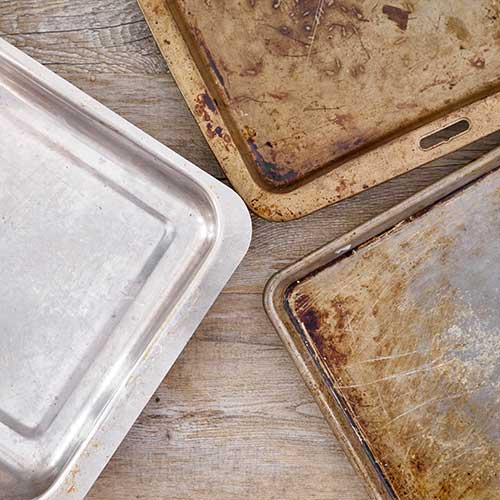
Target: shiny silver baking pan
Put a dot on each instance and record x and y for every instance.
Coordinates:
(112, 249)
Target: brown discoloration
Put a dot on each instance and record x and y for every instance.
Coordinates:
(301, 301)
(279, 174)
(357, 70)
(315, 320)
(391, 330)
(493, 13)
(340, 53)
(311, 321)
(211, 60)
(340, 312)
(478, 62)
(436, 83)
(457, 27)
(342, 186)
(341, 120)
(397, 15)
(213, 132)
(71, 478)
(203, 105)
(278, 95)
(205, 108)
(253, 70)
(249, 132)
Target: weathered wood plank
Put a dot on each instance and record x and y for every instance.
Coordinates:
(233, 419)
(86, 37)
(154, 104)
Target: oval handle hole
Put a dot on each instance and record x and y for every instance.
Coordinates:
(445, 134)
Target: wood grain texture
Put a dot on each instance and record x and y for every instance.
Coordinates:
(232, 419)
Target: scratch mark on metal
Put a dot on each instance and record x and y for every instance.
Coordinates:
(317, 22)
(425, 403)
(393, 376)
(394, 356)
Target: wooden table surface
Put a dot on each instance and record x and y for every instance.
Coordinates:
(233, 419)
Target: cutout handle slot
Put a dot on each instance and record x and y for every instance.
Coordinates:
(444, 135)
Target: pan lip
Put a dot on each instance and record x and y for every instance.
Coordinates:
(279, 285)
(228, 241)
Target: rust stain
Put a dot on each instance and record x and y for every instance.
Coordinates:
(214, 132)
(203, 104)
(357, 70)
(438, 82)
(315, 319)
(335, 53)
(211, 60)
(478, 62)
(71, 478)
(279, 175)
(278, 95)
(253, 70)
(311, 321)
(344, 146)
(209, 102)
(397, 15)
(342, 187)
(249, 132)
(381, 327)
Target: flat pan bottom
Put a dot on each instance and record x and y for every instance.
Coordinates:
(407, 328)
(106, 239)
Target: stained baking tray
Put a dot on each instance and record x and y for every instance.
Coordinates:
(112, 249)
(395, 327)
(308, 102)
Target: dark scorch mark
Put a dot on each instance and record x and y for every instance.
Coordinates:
(268, 168)
(209, 102)
(211, 60)
(397, 15)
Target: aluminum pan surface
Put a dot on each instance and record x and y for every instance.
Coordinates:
(398, 341)
(110, 249)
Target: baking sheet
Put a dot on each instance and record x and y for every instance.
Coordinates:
(111, 249)
(309, 102)
(396, 332)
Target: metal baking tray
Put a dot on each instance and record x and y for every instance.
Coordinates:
(308, 102)
(395, 327)
(112, 250)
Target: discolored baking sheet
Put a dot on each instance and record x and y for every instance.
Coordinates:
(397, 332)
(308, 102)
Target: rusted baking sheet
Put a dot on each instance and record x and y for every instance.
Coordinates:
(307, 102)
(397, 333)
